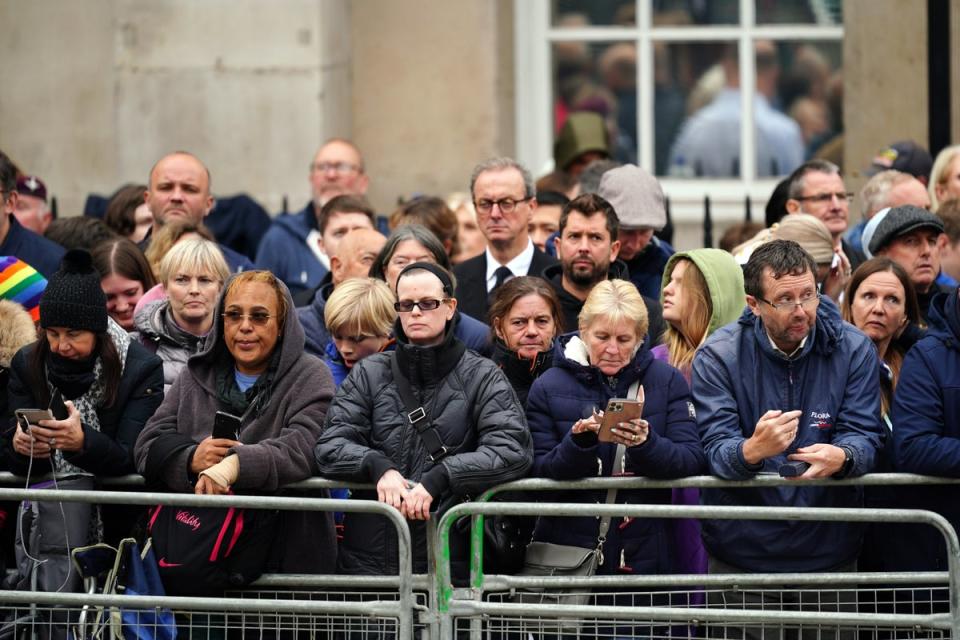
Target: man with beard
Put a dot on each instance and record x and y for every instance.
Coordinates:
(588, 248)
(789, 388)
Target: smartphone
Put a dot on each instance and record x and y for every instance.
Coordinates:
(226, 425)
(618, 410)
(793, 469)
(57, 407)
(26, 417)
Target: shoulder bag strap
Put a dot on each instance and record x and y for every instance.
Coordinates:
(618, 462)
(417, 415)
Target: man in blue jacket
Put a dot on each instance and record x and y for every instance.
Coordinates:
(789, 382)
(297, 248)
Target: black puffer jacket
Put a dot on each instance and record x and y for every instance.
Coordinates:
(471, 405)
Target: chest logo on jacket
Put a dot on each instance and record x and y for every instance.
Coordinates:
(821, 420)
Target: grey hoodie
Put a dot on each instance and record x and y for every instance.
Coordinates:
(277, 442)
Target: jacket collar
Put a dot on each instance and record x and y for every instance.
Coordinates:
(570, 353)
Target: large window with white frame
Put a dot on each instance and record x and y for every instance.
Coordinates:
(674, 81)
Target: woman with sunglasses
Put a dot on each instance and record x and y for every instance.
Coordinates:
(469, 434)
(254, 368)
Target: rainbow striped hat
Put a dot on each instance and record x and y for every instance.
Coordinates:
(21, 283)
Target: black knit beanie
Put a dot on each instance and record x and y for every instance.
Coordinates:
(73, 297)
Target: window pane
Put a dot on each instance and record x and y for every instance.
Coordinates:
(796, 108)
(585, 13)
(679, 13)
(805, 82)
(696, 117)
(827, 13)
(600, 78)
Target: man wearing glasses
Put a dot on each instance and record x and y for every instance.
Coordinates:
(504, 195)
(817, 188)
(788, 389)
(293, 247)
(16, 240)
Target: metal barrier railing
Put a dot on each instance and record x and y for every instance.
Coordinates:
(402, 609)
(450, 607)
(443, 606)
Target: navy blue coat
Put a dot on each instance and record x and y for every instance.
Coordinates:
(926, 424)
(737, 377)
(567, 392)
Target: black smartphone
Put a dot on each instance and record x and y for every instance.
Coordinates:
(793, 469)
(226, 425)
(57, 407)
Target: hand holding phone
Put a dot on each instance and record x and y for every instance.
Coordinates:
(618, 410)
(226, 426)
(27, 417)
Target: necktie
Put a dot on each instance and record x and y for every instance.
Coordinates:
(502, 274)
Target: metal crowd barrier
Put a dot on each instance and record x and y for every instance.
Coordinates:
(280, 614)
(429, 605)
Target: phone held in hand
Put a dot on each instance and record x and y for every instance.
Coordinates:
(793, 469)
(618, 410)
(226, 425)
(27, 417)
(57, 407)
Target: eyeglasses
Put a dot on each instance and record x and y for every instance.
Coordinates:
(258, 318)
(806, 303)
(506, 204)
(427, 304)
(824, 198)
(339, 167)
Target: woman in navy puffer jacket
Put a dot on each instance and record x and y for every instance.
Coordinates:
(602, 363)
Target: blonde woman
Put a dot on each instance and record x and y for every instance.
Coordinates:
(944, 181)
(192, 274)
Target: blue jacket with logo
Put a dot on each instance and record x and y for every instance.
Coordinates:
(285, 253)
(926, 424)
(737, 377)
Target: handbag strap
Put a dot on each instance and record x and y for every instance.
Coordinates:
(417, 415)
(618, 464)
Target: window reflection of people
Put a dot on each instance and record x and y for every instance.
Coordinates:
(709, 142)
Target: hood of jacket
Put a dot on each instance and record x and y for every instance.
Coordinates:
(203, 365)
(824, 336)
(724, 279)
(571, 353)
(16, 330)
(944, 319)
(154, 322)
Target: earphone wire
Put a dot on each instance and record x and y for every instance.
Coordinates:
(63, 516)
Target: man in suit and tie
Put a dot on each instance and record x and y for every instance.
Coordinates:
(503, 194)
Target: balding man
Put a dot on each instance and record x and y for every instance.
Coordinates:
(885, 189)
(179, 187)
(293, 248)
(356, 252)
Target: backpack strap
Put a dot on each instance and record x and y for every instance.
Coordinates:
(417, 415)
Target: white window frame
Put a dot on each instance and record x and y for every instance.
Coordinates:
(533, 37)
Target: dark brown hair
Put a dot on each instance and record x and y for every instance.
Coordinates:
(512, 290)
(123, 257)
(896, 351)
(434, 214)
(590, 204)
(347, 203)
(122, 207)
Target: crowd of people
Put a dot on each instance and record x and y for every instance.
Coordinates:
(466, 342)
